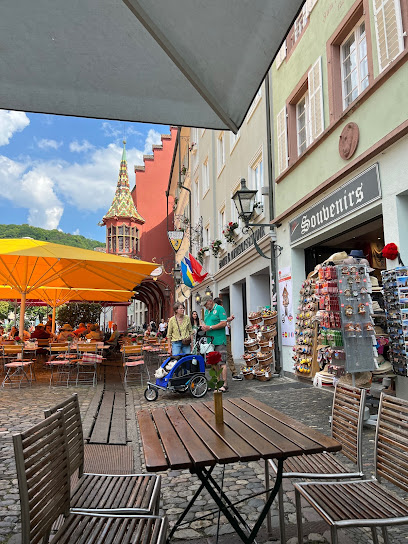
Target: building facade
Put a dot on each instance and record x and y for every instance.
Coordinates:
(340, 107)
(211, 166)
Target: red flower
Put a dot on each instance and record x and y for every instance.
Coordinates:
(390, 251)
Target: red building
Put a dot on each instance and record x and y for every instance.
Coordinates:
(136, 226)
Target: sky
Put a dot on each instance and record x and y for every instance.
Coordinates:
(60, 172)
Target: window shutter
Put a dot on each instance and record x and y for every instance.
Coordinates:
(310, 4)
(280, 57)
(281, 130)
(388, 28)
(315, 87)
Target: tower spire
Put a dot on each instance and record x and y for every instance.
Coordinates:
(122, 204)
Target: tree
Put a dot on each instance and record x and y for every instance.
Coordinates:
(5, 309)
(79, 312)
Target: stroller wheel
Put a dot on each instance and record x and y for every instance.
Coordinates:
(151, 394)
(198, 386)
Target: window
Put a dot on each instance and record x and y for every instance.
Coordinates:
(234, 139)
(282, 140)
(388, 28)
(302, 123)
(206, 240)
(221, 223)
(256, 176)
(196, 193)
(300, 22)
(354, 66)
(206, 177)
(220, 152)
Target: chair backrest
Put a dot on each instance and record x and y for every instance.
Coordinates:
(347, 421)
(41, 455)
(12, 349)
(75, 436)
(58, 345)
(391, 441)
(43, 342)
(85, 347)
(131, 350)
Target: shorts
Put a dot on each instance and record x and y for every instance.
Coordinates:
(178, 348)
(222, 348)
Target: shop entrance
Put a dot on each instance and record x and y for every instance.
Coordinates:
(369, 237)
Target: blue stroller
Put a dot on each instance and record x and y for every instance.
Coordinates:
(182, 373)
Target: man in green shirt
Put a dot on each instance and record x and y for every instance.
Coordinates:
(215, 321)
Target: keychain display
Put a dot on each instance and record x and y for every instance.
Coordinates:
(308, 306)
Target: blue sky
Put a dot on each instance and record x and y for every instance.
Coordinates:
(61, 172)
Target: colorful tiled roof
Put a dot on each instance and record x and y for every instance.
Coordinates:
(123, 205)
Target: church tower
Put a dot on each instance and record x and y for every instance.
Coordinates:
(123, 220)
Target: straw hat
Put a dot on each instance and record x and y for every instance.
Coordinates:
(375, 284)
(362, 379)
(337, 258)
(66, 327)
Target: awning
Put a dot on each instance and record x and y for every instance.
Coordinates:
(183, 62)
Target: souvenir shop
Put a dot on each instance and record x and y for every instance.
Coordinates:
(349, 321)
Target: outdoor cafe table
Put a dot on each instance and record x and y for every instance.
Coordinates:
(186, 436)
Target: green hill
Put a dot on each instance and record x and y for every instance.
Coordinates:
(19, 231)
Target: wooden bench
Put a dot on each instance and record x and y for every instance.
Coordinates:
(366, 503)
(43, 471)
(118, 493)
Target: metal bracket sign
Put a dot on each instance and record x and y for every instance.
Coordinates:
(175, 238)
(353, 195)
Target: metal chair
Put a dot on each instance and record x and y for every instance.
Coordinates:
(43, 471)
(88, 362)
(346, 427)
(61, 363)
(16, 368)
(115, 493)
(133, 363)
(366, 503)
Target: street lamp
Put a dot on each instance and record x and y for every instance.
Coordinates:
(177, 275)
(167, 291)
(198, 298)
(244, 200)
(208, 292)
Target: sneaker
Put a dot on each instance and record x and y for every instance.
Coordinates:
(237, 378)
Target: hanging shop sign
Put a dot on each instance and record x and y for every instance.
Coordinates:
(240, 248)
(355, 194)
(175, 238)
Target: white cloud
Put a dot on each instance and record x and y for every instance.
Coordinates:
(11, 122)
(77, 147)
(153, 138)
(119, 133)
(76, 232)
(43, 187)
(32, 190)
(48, 144)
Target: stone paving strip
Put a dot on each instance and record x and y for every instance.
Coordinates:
(20, 409)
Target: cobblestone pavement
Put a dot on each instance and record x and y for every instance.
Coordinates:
(20, 409)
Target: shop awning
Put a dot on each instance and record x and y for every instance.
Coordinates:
(183, 62)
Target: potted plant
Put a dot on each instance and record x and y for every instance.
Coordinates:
(229, 231)
(216, 383)
(258, 208)
(201, 253)
(216, 247)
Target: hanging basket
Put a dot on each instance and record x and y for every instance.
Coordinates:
(263, 375)
(255, 320)
(270, 320)
(269, 334)
(265, 361)
(266, 346)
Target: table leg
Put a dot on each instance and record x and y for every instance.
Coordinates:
(229, 510)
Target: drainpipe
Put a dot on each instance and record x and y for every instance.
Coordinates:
(271, 194)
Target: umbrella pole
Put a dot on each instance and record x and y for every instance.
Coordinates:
(23, 299)
(53, 319)
(22, 312)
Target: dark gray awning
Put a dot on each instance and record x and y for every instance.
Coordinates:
(184, 62)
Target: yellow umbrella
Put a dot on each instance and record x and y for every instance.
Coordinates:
(27, 264)
(55, 297)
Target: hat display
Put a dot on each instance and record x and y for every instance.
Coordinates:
(66, 327)
(205, 299)
(357, 254)
(375, 284)
(383, 368)
(361, 379)
(376, 307)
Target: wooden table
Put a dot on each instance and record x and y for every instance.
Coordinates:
(186, 436)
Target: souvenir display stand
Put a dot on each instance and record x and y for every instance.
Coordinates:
(395, 285)
(334, 329)
(306, 332)
(259, 346)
